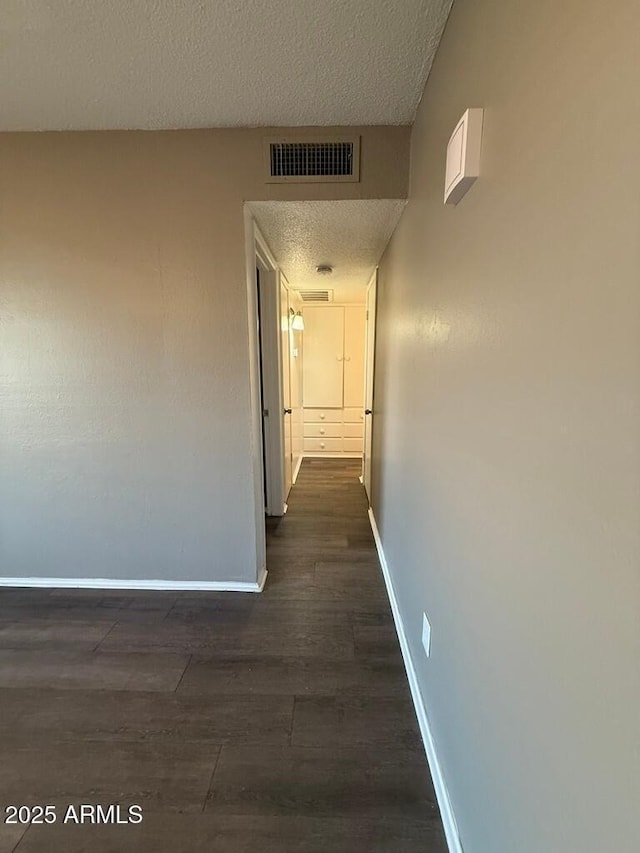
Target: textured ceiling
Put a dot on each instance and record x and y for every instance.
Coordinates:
(349, 235)
(98, 64)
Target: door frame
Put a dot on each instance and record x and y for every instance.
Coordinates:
(266, 385)
(369, 375)
(286, 342)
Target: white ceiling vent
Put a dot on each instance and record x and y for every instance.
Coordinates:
(321, 160)
(316, 295)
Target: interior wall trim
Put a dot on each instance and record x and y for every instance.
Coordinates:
(442, 793)
(262, 579)
(296, 470)
(161, 585)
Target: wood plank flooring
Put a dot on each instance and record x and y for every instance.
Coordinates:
(279, 722)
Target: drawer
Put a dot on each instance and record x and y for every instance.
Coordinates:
(321, 430)
(323, 445)
(353, 431)
(333, 416)
(352, 445)
(353, 416)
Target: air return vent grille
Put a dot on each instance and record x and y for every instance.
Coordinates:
(321, 160)
(316, 295)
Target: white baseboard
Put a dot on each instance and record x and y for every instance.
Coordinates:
(296, 470)
(160, 585)
(262, 579)
(442, 794)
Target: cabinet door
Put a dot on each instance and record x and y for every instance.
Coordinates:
(323, 341)
(354, 334)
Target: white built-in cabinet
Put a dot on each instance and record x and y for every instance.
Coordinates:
(333, 378)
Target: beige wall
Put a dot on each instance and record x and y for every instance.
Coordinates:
(125, 439)
(507, 428)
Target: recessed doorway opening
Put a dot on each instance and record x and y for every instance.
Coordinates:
(312, 309)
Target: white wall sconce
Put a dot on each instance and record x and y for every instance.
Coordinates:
(297, 320)
(463, 155)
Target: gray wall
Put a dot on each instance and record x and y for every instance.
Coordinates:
(125, 440)
(507, 428)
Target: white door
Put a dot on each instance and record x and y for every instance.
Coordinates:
(268, 316)
(295, 375)
(323, 353)
(370, 334)
(285, 365)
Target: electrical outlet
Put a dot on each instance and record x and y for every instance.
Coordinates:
(426, 635)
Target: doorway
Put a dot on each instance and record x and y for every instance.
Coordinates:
(312, 367)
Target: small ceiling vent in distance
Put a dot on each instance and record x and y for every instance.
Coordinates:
(318, 159)
(316, 295)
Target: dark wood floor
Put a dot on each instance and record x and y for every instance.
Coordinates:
(278, 722)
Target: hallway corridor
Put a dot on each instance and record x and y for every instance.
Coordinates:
(277, 722)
